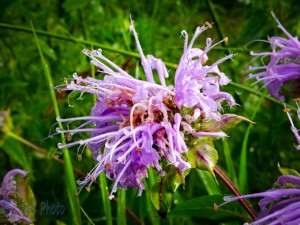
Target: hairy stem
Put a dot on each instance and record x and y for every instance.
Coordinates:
(234, 190)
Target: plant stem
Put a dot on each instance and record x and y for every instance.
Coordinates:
(40, 150)
(234, 190)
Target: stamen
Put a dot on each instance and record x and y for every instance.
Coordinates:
(108, 165)
(216, 208)
(139, 149)
(68, 135)
(208, 24)
(297, 99)
(92, 177)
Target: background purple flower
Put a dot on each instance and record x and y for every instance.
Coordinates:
(138, 123)
(8, 195)
(283, 65)
(280, 205)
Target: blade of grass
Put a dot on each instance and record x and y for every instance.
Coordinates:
(209, 182)
(153, 215)
(229, 161)
(86, 215)
(70, 178)
(105, 199)
(243, 174)
(121, 213)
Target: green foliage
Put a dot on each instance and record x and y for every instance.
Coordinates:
(207, 207)
(288, 171)
(25, 199)
(105, 200)
(162, 192)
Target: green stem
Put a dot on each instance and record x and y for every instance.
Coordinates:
(24, 141)
(105, 199)
(87, 216)
(42, 151)
(121, 215)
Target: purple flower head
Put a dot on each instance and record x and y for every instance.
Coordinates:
(8, 194)
(280, 205)
(284, 63)
(139, 124)
(196, 85)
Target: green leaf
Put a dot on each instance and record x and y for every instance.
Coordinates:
(227, 121)
(288, 171)
(105, 199)
(229, 161)
(209, 182)
(121, 207)
(161, 193)
(11, 82)
(206, 207)
(243, 168)
(16, 152)
(150, 210)
(25, 198)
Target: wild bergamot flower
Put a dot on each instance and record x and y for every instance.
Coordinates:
(279, 205)
(283, 65)
(139, 124)
(10, 199)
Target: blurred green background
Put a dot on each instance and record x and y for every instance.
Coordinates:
(63, 27)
